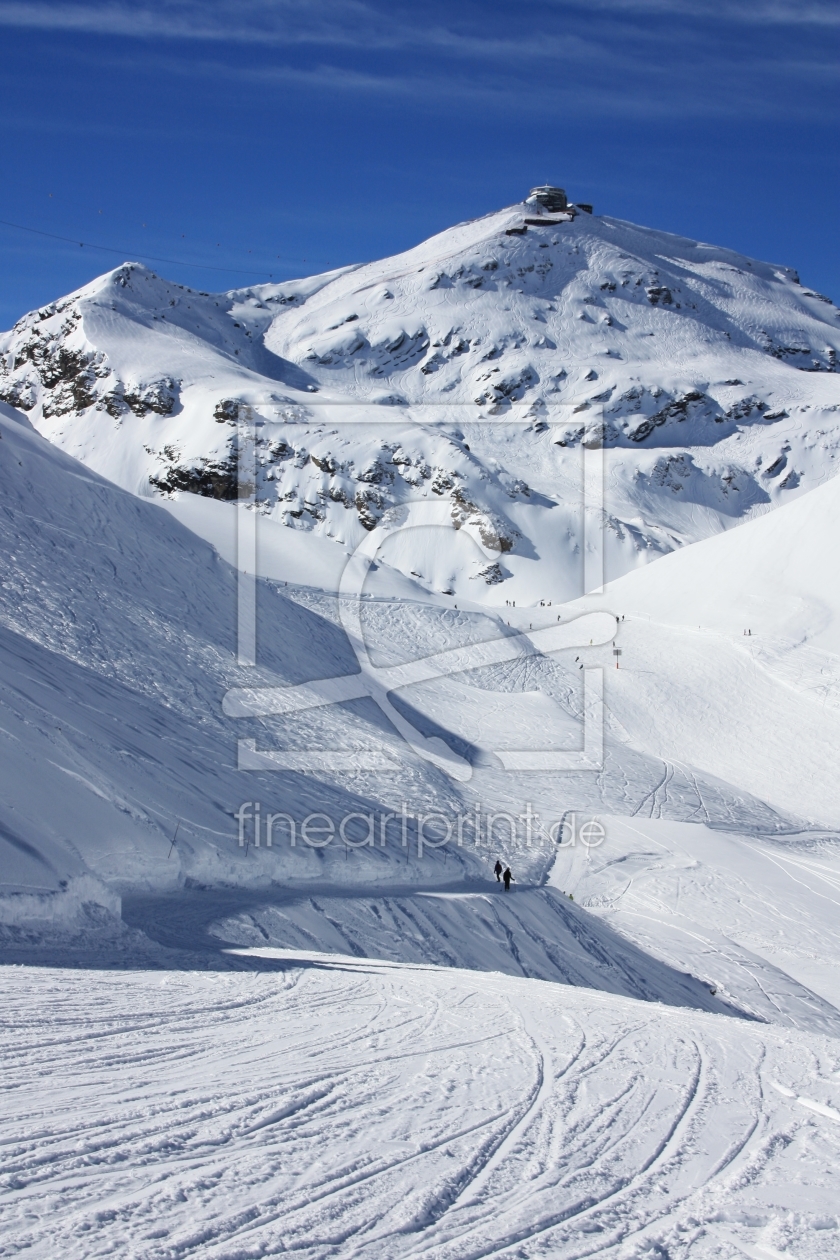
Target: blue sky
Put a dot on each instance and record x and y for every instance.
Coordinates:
(290, 136)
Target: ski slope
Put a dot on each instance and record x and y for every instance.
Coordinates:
(774, 577)
(319, 1105)
(118, 645)
(730, 656)
(109, 656)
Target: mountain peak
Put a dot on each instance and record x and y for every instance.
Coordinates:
(471, 367)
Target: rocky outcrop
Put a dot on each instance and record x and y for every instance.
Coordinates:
(208, 478)
(54, 364)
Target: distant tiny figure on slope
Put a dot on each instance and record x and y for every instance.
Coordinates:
(497, 870)
(507, 877)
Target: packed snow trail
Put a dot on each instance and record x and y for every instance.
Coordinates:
(336, 1107)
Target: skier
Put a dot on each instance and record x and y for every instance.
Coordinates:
(497, 870)
(507, 877)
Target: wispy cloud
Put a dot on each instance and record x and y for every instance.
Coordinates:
(742, 12)
(355, 24)
(620, 90)
(635, 58)
(345, 24)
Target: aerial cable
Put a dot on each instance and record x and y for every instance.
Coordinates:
(124, 253)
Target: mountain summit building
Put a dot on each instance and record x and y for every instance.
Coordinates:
(548, 197)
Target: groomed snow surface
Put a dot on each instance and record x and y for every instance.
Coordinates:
(321, 1105)
(225, 1050)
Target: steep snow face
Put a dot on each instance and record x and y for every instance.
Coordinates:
(117, 644)
(471, 370)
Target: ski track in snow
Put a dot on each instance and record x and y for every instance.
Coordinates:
(333, 1106)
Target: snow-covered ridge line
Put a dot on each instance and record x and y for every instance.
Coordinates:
(486, 356)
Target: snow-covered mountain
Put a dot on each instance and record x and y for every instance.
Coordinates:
(470, 369)
(648, 1066)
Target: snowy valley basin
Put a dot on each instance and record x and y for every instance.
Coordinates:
(420, 716)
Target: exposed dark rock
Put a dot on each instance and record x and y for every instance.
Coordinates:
(495, 534)
(327, 463)
(369, 506)
(492, 573)
(21, 394)
(114, 404)
(675, 410)
(745, 407)
(159, 397)
(227, 410)
(211, 480)
(509, 388)
(279, 450)
(339, 495)
(442, 481)
(373, 473)
(671, 471)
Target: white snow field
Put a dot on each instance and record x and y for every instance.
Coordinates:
(224, 1036)
(332, 1106)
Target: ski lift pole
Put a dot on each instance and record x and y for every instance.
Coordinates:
(174, 838)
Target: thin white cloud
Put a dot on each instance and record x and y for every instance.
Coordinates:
(343, 25)
(743, 12)
(353, 24)
(616, 66)
(607, 96)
